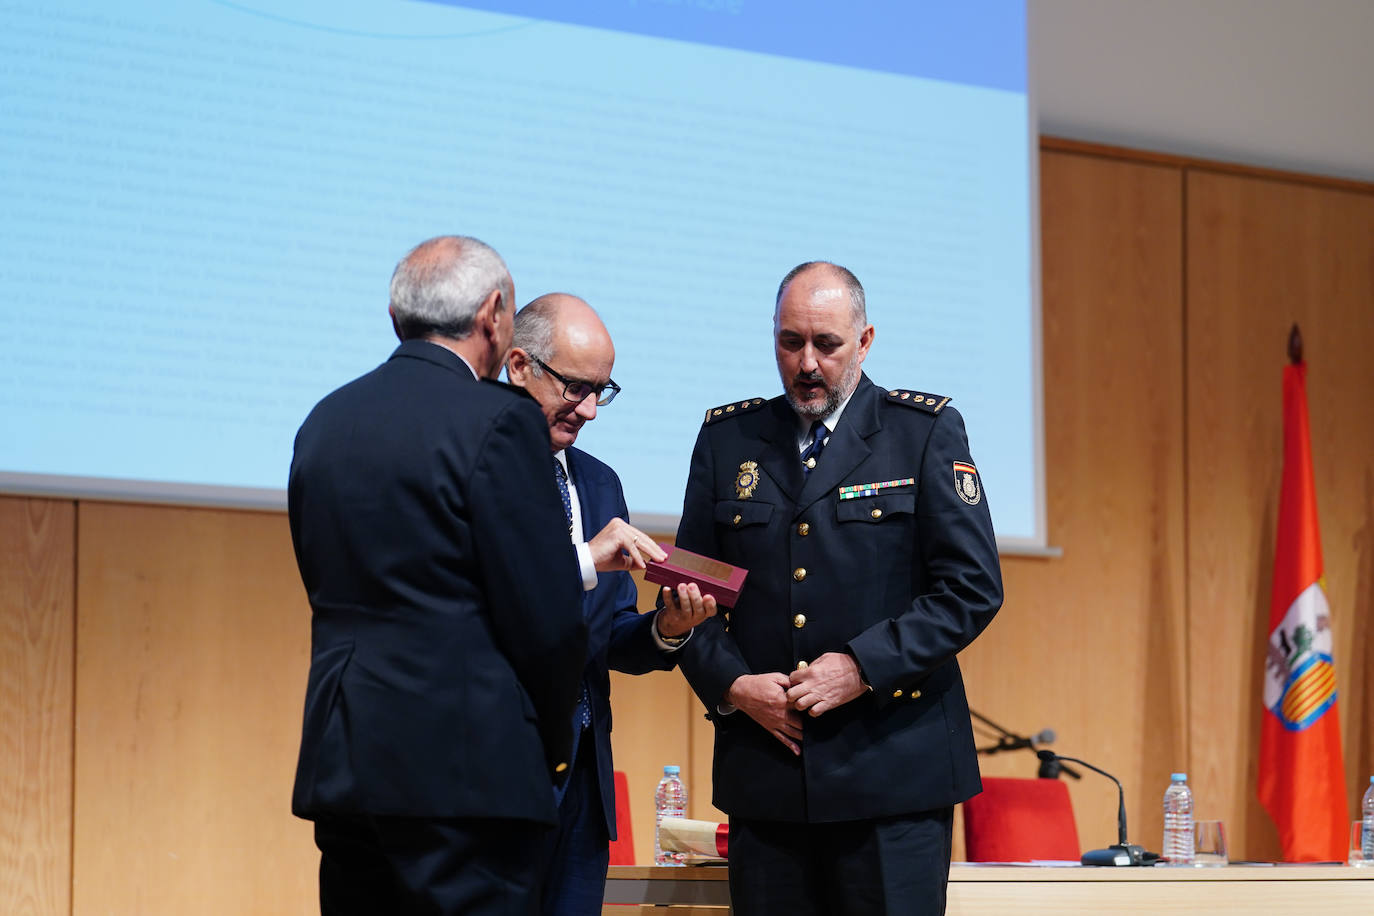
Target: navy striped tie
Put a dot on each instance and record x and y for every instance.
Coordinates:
(562, 477)
(812, 453)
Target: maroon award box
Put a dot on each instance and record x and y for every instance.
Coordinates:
(712, 576)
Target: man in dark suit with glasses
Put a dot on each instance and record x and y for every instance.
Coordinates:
(563, 356)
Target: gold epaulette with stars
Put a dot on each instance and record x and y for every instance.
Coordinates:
(732, 410)
(930, 403)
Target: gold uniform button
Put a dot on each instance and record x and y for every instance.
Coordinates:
(801, 665)
(799, 573)
(803, 529)
(736, 521)
(876, 513)
(799, 621)
(915, 694)
(810, 463)
(896, 694)
(560, 768)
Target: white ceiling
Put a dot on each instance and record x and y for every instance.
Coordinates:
(1286, 84)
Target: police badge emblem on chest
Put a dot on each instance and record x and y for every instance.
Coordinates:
(966, 483)
(747, 479)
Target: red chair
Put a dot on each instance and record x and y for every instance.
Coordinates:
(1017, 820)
(623, 847)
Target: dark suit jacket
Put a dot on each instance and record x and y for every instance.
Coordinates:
(619, 637)
(442, 672)
(902, 577)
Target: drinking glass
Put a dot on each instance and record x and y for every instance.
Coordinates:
(1209, 844)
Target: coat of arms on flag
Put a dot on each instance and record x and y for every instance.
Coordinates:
(1299, 678)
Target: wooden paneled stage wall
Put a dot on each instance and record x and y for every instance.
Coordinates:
(153, 658)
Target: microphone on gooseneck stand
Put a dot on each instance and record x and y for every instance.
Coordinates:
(1051, 768)
(1123, 852)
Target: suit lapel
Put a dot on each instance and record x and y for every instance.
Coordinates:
(780, 460)
(847, 448)
(577, 474)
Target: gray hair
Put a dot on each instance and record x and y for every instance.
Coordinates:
(438, 286)
(534, 326)
(857, 305)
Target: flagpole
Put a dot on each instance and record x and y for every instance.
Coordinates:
(1295, 345)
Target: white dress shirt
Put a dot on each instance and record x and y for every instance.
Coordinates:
(584, 550)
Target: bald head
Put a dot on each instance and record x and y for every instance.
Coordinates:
(820, 337)
(556, 323)
(825, 282)
(565, 334)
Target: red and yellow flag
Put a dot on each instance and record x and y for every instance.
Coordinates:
(1301, 774)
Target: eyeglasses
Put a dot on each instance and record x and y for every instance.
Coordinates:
(576, 390)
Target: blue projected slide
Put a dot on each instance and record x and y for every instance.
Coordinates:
(978, 45)
(203, 203)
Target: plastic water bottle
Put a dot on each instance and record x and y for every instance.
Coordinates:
(1178, 821)
(1367, 824)
(670, 800)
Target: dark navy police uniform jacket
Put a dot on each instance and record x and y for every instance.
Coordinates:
(885, 551)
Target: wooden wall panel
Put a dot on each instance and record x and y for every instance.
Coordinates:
(37, 573)
(651, 730)
(1261, 255)
(1092, 644)
(192, 652)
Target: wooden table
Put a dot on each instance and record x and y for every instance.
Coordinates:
(976, 890)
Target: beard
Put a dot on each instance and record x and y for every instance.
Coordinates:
(816, 408)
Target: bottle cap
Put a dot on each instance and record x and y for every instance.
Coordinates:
(1179, 777)
(671, 770)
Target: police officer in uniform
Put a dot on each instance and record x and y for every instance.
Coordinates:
(843, 738)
